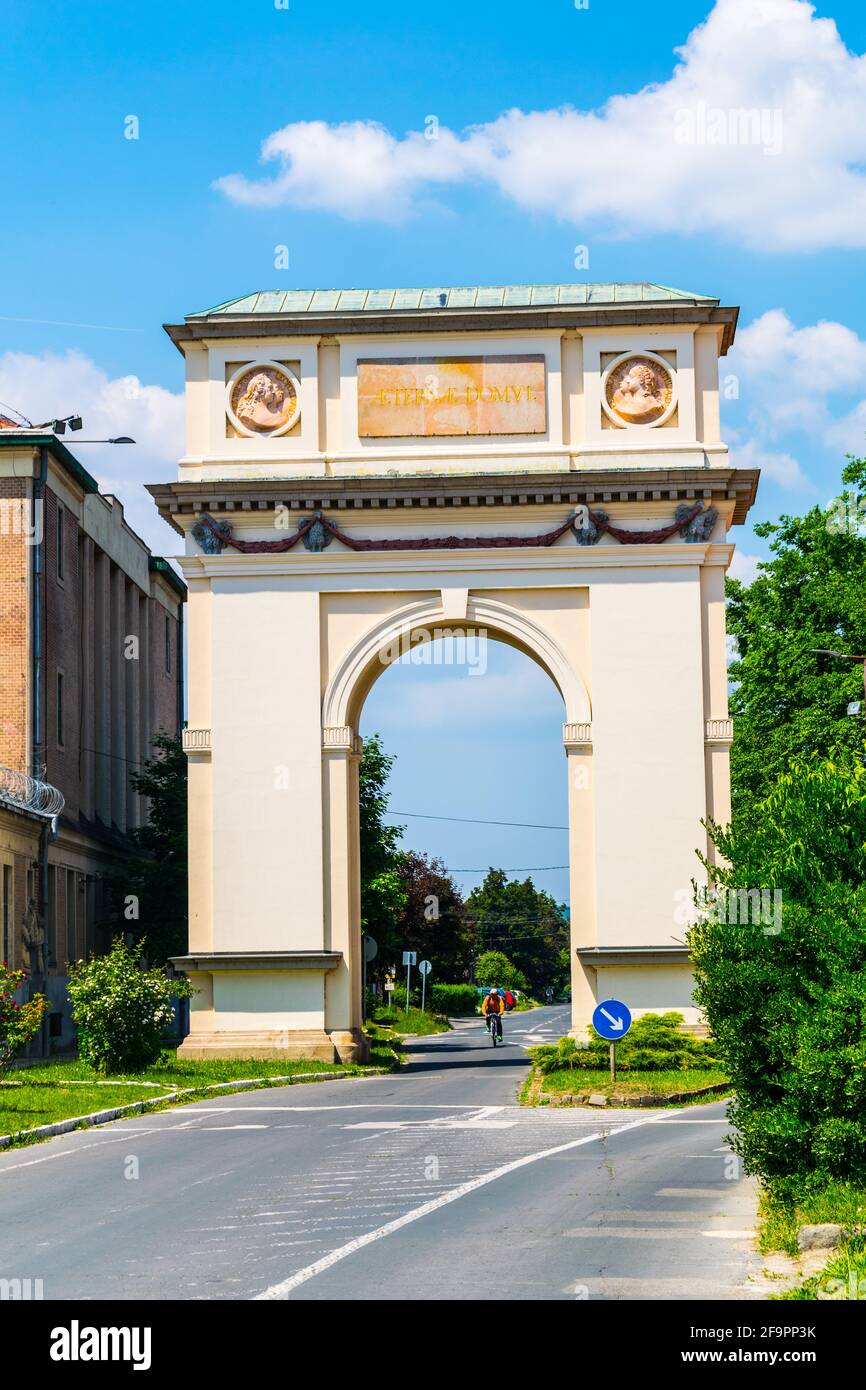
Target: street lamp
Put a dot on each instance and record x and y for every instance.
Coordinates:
(121, 439)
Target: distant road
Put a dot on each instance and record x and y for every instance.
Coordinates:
(388, 1187)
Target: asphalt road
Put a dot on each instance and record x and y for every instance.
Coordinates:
(388, 1187)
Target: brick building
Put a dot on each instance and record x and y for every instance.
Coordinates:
(91, 669)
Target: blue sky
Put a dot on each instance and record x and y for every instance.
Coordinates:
(125, 234)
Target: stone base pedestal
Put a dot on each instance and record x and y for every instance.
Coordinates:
(292, 1045)
(351, 1046)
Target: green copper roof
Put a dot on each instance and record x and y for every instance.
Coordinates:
(274, 302)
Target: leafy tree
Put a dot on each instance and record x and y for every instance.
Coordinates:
(787, 1009)
(149, 895)
(383, 892)
(495, 969)
(812, 594)
(525, 923)
(433, 921)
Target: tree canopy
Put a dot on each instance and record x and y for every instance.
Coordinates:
(525, 923)
(787, 702)
(433, 922)
(153, 885)
(383, 894)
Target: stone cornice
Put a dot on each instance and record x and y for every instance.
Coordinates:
(633, 955)
(182, 501)
(258, 960)
(560, 318)
(560, 564)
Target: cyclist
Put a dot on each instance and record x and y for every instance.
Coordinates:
(493, 1007)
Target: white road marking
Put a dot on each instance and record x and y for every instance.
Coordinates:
(212, 1128)
(730, 1235)
(285, 1288)
(691, 1191)
(432, 1124)
(366, 1105)
(70, 1153)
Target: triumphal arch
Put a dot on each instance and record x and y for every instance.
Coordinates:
(541, 463)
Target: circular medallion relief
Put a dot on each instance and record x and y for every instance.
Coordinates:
(638, 389)
(263, 399)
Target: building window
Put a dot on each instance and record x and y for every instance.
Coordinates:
(7, 910)
(60, 574)
(168, 645)
(60, 712)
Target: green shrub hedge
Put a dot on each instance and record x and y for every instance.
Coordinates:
(455, 1000)
(655, 1042)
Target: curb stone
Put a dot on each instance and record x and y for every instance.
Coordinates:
(140, 1107)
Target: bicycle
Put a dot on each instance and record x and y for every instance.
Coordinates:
(495, 1023)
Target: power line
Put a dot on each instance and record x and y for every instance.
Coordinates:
(536, 869)
(471, 820)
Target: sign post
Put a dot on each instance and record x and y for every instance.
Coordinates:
(611, 1019)
(409, 959)
(425, 967)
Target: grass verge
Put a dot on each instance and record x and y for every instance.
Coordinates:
(42, 1095)
(842, 1204)
(660, 1085)
(843, 1278)
(417, 1022)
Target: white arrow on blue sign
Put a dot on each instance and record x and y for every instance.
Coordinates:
(611, 1019)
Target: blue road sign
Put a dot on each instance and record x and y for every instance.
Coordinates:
(611, 1019)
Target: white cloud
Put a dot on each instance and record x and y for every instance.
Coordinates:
(798, 380)
(44, 387)
(758, 135)
(745, 568)
(783, 468)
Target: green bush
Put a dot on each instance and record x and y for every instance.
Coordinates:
(454, 1000)
(789, 1015)
(655, 1042)
(787, 1009)
(18, 1022)
(121, 1010)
